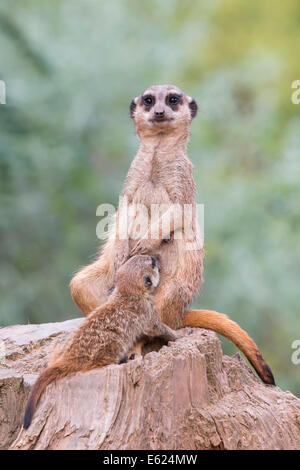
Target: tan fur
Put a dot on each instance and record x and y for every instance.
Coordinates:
(109, 332)
(161, 173)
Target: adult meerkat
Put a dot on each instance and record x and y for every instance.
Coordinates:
(161, 173)
(109, 333)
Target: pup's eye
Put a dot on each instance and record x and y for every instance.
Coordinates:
(148, 100)
(147, 281)
(173, 99)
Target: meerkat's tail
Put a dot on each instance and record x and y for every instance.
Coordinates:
(221, 324)
(49, 374)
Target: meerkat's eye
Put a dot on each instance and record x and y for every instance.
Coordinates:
(148, 100)
(173, 100)
(147, 281)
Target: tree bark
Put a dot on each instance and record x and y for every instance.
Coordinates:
(186, 396)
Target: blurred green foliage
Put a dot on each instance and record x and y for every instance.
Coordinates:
(66, 142)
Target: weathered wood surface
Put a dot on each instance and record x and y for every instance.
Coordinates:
(186, 396)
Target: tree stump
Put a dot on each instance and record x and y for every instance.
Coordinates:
(186, 396)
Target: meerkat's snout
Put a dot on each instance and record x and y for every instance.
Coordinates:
(152, 277)
(155, 259)
(156, 265)
(159, 115)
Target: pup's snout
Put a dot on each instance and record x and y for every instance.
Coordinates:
(155, 261)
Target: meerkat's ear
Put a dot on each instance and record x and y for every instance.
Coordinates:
(193, 107)
(133, 107)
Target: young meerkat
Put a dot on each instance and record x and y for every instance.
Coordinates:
(161, 173)
(109, 332)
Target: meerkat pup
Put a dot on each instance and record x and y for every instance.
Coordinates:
(110, 332)
(161, 174)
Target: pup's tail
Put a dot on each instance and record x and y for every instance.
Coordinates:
(49, 374)
(220, 323)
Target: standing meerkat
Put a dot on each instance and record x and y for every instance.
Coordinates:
(109, 333)
(161, 173)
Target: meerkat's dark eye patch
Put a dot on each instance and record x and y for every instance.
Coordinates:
(194, 108)
(147, 281)
(132, 108)
(173, 100)
(148, 100)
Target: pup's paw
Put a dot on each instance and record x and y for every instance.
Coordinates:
(188, 331)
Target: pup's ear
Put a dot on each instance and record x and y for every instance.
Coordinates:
(133, 107)
(193, 107)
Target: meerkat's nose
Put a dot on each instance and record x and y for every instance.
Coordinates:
(155, 261)
(159, 113)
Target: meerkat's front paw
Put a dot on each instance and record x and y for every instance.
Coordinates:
(144, 246)
(179, 335)
(183, 334)
(140, 248)
(135, 352)
(188, 331)
(129, 357)
(120, 259)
